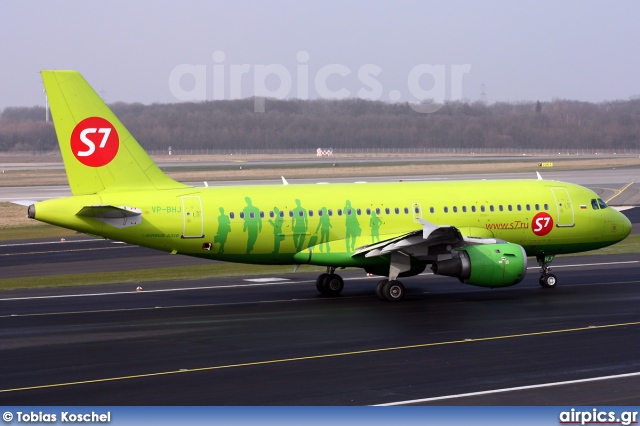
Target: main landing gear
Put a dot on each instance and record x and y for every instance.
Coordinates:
(330, 284)
(390, 290)
(546, 280)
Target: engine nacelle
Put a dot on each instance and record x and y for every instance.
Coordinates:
(488, 265)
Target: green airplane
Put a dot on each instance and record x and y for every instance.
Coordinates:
(480, 232)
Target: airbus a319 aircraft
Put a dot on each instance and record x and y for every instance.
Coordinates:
(480, 232)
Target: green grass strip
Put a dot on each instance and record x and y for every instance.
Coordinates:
(35, 231)
(148, 275)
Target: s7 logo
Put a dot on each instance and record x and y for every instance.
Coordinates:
(542, 224)
(94, 142)
(106, 131)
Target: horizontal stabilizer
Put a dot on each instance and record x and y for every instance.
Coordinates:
(25, 203)
(118, 217)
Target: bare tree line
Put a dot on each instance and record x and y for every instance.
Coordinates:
(353, 124)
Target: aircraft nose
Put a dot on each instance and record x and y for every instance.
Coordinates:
(626, 225)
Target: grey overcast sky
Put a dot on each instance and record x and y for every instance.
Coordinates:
(164, 51)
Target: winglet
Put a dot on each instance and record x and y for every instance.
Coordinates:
(284, 181)
(539, 177)
(427, 228)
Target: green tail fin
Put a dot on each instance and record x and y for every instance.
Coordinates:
(99, 153)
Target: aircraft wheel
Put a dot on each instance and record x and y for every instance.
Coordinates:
(332, 284)
(393, 291)
(320, 282)
(379, 289)
(548, 281)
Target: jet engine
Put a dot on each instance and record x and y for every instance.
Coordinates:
(486, 265)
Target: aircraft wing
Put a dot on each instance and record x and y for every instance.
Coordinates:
(428, 243)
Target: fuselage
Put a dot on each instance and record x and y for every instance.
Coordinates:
(270, 224)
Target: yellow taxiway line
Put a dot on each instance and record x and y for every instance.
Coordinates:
(324, 356)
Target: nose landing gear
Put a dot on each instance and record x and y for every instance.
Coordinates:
(546, 280)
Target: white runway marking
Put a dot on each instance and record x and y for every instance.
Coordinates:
(51, 242)
(265, 280)
(589, 264)
(519, 388)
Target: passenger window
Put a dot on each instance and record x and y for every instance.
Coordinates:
(509, 208)
(281, 213)
(232, 215)
(406, 210)
(301, 213)
(252, 215)
(358, 212)
(241, 215)
(500, 208)
(310, 213)
(546, 206)
(482, 209)
(368, 212)
(387, 211)
(330, 212)
(319, 212)
(417, 209)
(271, 214)
(473, 209)
(464, 209)
(348, 212)
(378, 211)
(491, 207)
(519, 207)
(397, 210)
(455, 209)
(446, 209)
(528, 207)
(432, 210)
(339, 212)
(261, 214)
(537, 206)
(290, 213)
(602, 204)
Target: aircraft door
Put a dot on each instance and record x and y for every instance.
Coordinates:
(192, 218)
(564, 207)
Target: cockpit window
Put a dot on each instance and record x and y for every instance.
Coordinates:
(594, 204)
(602, 204)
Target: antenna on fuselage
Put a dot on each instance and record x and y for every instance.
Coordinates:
(539, 177)
(284, 181)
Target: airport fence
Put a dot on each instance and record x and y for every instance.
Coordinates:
(400, 151)
(374, 151)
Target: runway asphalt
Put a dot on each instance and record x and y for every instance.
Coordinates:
(178, 161)
(234, 341)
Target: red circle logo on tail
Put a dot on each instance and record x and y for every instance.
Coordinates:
(95, 142)
(542, 224)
